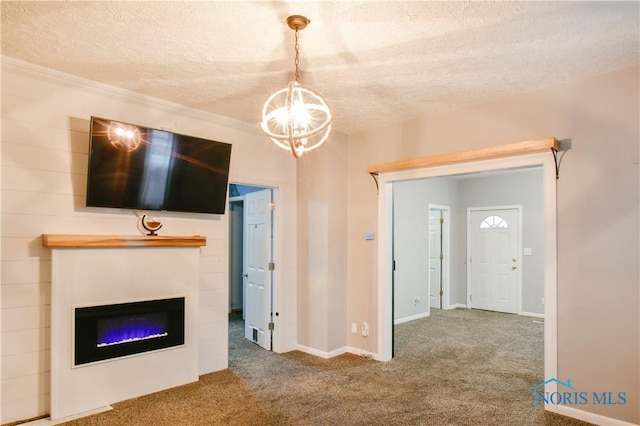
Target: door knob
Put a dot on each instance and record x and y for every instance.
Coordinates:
(514, 267)
(514, 259)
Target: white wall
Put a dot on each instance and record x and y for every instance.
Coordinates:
(102, 276)
(45, 125)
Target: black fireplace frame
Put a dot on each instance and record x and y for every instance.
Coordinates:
(85, 329)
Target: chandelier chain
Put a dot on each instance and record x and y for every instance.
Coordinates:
(297, 60)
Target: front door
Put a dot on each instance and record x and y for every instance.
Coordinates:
(258, 274)
(494, 247)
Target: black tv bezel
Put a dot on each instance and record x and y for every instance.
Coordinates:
(221, 207)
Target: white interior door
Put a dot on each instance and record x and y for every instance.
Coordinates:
(258, 275)
(494, 262)
(435, 258)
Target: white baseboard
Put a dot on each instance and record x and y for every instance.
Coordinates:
(456, 306)
(411, 318)
(363, 353)
(590, 417)
(319, 353)
(48, 422)
(337, 352)
(531, 314)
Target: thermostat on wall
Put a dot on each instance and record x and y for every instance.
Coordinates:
(369, 236)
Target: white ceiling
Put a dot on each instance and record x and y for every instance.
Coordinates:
(376, 62)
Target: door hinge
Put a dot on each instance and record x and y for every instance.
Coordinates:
(272, 206)
(441, 292)
(441, 221)
(470, 297)
(394, 265)
(441, 256)
(272, 266)
(272, 326)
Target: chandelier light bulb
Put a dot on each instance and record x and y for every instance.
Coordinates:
(300, 115)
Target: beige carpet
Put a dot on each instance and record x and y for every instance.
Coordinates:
(460, 367)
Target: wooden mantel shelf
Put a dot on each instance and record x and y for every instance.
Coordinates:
(86, 241)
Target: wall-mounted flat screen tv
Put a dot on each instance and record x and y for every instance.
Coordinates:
(136, 167)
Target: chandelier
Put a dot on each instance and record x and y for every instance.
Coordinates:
(295, 117)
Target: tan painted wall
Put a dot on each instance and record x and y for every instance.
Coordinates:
(598, 226)
(322, 246)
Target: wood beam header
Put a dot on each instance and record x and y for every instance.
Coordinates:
(518, 148)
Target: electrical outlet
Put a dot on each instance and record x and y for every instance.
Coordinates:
(354, 327)
(365, 329)
(416, 300)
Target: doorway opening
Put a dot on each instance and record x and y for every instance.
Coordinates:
(386, 213)
(251, 248)
(483, 255)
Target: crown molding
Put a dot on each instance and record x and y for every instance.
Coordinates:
(38, 72)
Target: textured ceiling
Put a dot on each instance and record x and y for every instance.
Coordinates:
(375, 62)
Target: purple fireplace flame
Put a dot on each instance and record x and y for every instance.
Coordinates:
(114, 331)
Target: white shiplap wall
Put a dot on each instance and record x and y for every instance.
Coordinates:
(45, 124)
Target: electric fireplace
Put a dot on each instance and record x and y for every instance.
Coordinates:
(112, 331)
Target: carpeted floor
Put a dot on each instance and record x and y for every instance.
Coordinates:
(460, 367)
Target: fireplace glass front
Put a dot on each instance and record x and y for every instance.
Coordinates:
(112, 331)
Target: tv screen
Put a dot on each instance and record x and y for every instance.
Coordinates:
(136, 167)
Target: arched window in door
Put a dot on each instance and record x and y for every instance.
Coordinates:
(493, 221)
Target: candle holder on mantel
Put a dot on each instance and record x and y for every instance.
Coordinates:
(151, 224)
